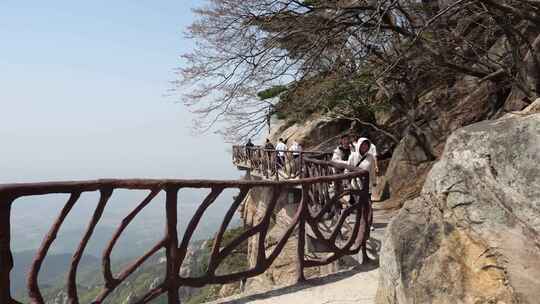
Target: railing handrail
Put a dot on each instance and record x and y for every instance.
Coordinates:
(266, 161)
(262, 148)
(38, 188)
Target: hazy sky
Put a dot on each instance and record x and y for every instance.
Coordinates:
(82, 93)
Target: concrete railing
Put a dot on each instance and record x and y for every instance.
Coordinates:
(317, 185)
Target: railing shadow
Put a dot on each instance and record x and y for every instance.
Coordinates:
(313, 282)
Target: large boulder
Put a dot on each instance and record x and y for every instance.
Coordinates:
(473, 235)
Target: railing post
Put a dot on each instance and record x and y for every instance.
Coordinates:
(301, 245)
(266, 162)
(301, 166)
(249, 157)
(171, 248)
(6, 257)
(276, 153)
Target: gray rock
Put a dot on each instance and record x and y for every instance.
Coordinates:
(406, 172)
(473, 235)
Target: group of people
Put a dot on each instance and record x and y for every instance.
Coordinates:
(359, 152)
(353, 150)
(281, 148)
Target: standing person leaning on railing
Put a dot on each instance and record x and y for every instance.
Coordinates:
(373, 152)
(343, 151)
(341, 156)
(361, 158)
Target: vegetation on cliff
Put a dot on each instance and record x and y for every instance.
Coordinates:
(236, 262)
(151, 274)
(354, 58)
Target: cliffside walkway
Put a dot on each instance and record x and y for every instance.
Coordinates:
(315, 183)
(356, 286)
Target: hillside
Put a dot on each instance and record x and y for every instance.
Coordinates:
(147, 277)
(52, 271)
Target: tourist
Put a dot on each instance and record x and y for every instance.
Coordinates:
(373, 152)
(341, 156)
(269, 160)
(363, 159)
(354, 140)
(343, 151)
(249, 146)
(296, 148)
(281, 147)
(268, 145)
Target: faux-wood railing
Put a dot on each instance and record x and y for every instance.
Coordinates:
(321, 190)
(273, 164)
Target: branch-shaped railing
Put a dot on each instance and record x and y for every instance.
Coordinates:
(272, 164)
(322, 190)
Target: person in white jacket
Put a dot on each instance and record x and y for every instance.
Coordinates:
(296, 148)
(372, 151)
(281, 147)
(363, 159)
(343, 151)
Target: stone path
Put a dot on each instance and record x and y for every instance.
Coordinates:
(357, 285)
(353, 286)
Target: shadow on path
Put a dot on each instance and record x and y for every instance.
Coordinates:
(305, 285)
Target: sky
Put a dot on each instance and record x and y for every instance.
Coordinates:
(84, 93)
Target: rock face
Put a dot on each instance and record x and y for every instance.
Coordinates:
(283, 269)
(473, 235)
(439, 113)
(315, 133)
(405, 174)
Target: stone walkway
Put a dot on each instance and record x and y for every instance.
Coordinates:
(352, 286)
(357, 285)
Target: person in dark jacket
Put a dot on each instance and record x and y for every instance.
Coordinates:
(249, 147)
(268, 145)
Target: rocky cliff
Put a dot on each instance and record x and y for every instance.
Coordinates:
(442, 247)
(473, 234)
